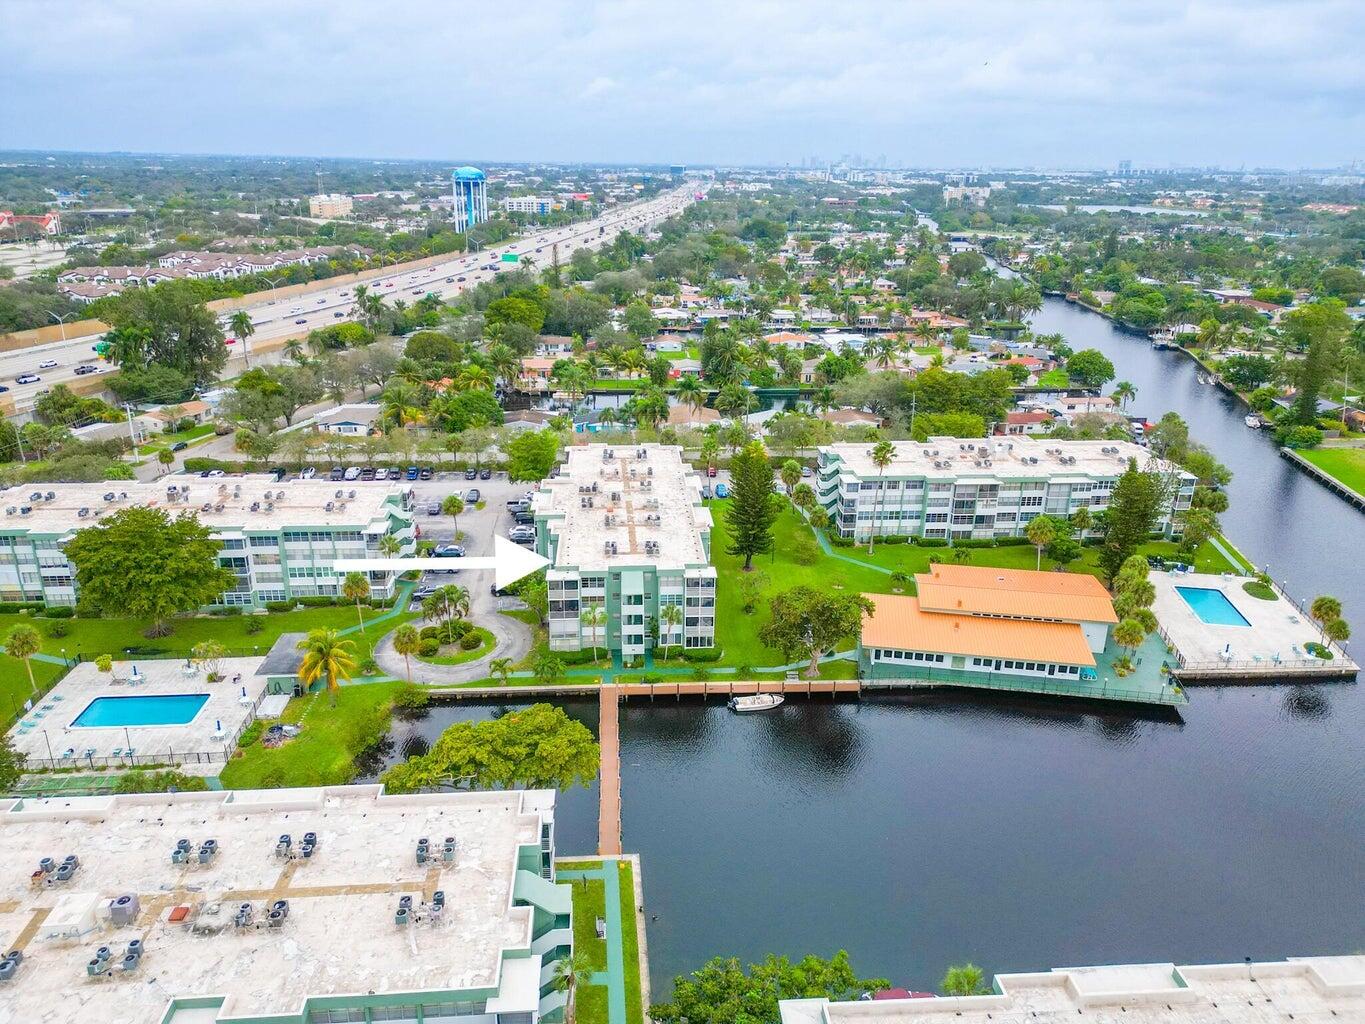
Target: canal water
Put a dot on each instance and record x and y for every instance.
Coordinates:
(922, 831)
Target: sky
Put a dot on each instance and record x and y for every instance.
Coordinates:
(924, 83)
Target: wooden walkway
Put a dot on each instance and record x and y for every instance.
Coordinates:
(741, 687)
(609, 778)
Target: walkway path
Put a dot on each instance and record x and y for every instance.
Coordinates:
(513, 641)
(609, 786)
(614, 977)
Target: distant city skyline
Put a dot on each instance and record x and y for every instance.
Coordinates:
(935, 84)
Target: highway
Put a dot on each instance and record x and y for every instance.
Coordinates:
(323, 306)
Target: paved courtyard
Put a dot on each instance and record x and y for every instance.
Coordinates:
(47, 733)
(1273, 633)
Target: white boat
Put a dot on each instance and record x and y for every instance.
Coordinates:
(1254, 422)
(758, 702)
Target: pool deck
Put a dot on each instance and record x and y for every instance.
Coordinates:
(47, 738)
(1271, 647)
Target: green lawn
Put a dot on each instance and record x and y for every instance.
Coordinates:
(589, 902)
(1345, 464)
(459, 657)
(14, 684)
(323, 754)
(1055, 379)
(737, 633)
(90, 637)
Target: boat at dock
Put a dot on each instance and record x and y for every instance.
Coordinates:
(1254, 422)
(756, 702)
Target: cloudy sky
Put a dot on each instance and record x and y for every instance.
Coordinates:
(922, 82)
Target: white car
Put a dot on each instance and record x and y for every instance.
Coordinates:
(47, 364)
(308, 473)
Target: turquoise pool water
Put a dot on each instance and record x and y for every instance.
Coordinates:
(150, 709)
(1212, 606)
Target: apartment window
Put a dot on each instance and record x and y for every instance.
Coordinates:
(265, 542)
(233, 544)
(1031, 501)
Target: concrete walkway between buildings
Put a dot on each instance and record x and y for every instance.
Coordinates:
(614, 977)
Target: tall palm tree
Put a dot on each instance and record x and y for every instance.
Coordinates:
(593, 617)
(326, 656)
(885, 349)
(407, 641)
(356, 587)
(670, 616)
(400, 404)
(241, 325)
(504, 363)
(457, 600)
(882, 454)
(389, 545)
(570, 971)
(501, 667)
(690, 392)
(473, 377)
(1123, 393)
(452, 505)
(23, 642)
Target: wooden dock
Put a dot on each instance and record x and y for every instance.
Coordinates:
(742, 688)
(609, 777)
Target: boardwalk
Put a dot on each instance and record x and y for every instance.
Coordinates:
(609, 780)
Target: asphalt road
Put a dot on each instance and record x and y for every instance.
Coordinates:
(326, 306)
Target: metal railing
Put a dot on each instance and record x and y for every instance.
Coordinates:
(1170, 694)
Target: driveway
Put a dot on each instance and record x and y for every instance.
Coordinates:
(513, 636)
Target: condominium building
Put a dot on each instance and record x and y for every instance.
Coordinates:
(330, 206)
(625, 531)
(538, 205)
(956, 488)
(1313, 988)
(294, 906)
(280, 539)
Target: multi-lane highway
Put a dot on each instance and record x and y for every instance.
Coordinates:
(323, 306)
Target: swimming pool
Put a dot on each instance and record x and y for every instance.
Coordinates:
(147, 709)
(1212, 606)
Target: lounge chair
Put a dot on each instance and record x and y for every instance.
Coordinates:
(116, 752)
(68, 753)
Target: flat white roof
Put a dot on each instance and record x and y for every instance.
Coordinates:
(295, 502)
(339, 938)
(1317, 989)
(1009, 458)
(639, 494)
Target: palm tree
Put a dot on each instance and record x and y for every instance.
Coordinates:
(241, 325)
(389, 545)
(327, 656)
(504, 362)
(24, 642)
(295, 350)
(593, 617)
(1336, 630)
(452, 505)
(501, 667)
(400, 404)
(885, 349)
(356, 587)
(569, 972)
(474, 378)
(963, 980)
(457, 601)
(1040, 531)
(1325, 608)
(882, 455)
(166, 457)
(791, 474)
(670, 616)
(1123, 393)
(436, 607)
(407, 641)
(1129, 635)
(734, 400)
(690, 392)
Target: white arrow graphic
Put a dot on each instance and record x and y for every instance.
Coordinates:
(509, 562)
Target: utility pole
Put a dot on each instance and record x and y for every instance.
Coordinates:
(132, 434)
(914, 400)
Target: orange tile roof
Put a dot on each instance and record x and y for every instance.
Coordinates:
(899, 622)
(972, 589)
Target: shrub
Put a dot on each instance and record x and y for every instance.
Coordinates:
(411, 697)
(456, 629)
(58, 629)
(931, 542)
(226, 611)
(702, 654)
(840, 542)
(969, 542)
(160, 782)
(59, 612)
(430, 633)
(1011, 542)
(429, 646)
(471, 641)
(12, 607)
(200, 465)
(279, 606)
(319, 601)
(804, 550)
(895, 539)
(254, 625)
(1318, 650)
(251, 734)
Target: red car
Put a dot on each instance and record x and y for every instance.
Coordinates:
(710, 470)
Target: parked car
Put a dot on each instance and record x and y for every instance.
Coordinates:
(426, 473)
(806, 473)
(706, 490)
(471, 473)
(337, 473)
(472, 496)
(710, 470)
(179, 446)
(422, 593)
(433, 510)
(450, 280)
(722, 491)
(523, 518)
(367, 473)
(308, 473)
(413, 471)
(485, 474)
(448, 551)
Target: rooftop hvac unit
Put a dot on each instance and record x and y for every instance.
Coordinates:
(341, 506)
(649, 471)
(222, 488)
(236, 488)
(25, 509)
(270, 506)
(11, 509)
(338, 494)
(123, 910)
(51, 495)
(613, 547)
(642, 453)
(218, 507)
(255, 506)
(329, 506)
(606, 547)
(108, 495)
(351, 494)
(593, 488)
(615, 495)
(122, 495)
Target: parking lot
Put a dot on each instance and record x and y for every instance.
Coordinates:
(477, 525)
